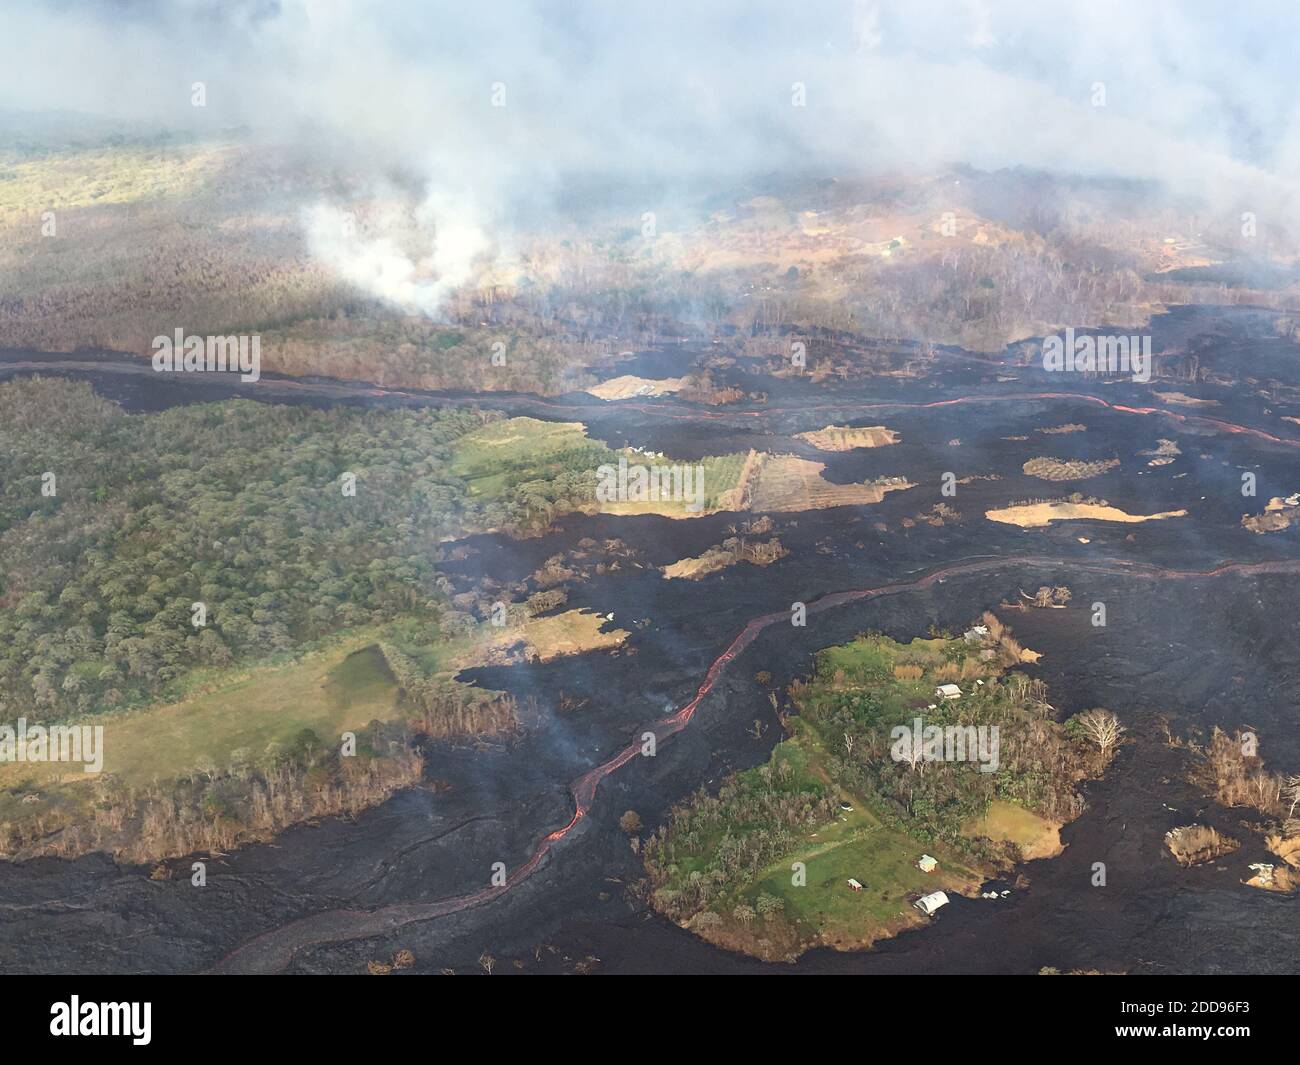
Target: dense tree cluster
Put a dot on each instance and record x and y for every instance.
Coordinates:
(1038, 760)
(237, 506)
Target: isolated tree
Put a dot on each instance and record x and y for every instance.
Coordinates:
(630, 822)
(1103, 728)
(744, 914)
(1291, 793)
(487, 962)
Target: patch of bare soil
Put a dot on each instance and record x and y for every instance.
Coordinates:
(844, 438)
(786, 482)
(629, 387)
(545, 638)
(1036, 515)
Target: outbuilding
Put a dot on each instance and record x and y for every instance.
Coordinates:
(927, 864)
(928, 904)
(948, 691)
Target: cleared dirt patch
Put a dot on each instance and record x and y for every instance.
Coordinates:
(844, 438)
(786, 482)
(630, 387)
(542, 639)
(1036, 515)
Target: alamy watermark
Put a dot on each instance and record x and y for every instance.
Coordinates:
(75, 1017)
(58, 743)
(1107, 353)
(946, 743)
(651, 484)
(195, 354)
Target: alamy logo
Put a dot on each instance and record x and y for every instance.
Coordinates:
(651, 484)
(58, 743)
(1110, 354)
(195, 354)
(946, 743)
(103, 1018)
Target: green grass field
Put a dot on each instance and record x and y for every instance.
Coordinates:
(248, 718)
(1036, 836)
(825, 910)
(505, 454)
(517, 450)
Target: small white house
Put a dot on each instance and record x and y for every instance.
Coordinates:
(948, 691)
(927, 864)
(854, 884)
(928, 904)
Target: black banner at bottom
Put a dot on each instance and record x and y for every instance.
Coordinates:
(150, 1013)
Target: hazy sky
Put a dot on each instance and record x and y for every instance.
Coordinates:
(1202, 96)
(693, 86)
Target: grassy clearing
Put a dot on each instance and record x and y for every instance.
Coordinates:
(226, 732)
(518, 450)
(219, 720)
(856, 845)
(246, 719)
(550, 467)
(1035, 836)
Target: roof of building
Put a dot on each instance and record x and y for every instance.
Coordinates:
(931, 902)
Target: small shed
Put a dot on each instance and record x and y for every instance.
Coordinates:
(927, 864)
(948, 691)
(928, 904)
(854, 884)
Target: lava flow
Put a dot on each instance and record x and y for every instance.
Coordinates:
(274, 950)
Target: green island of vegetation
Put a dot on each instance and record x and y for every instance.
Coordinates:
(820, 846)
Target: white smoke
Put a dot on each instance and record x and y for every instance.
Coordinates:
(413, 264)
